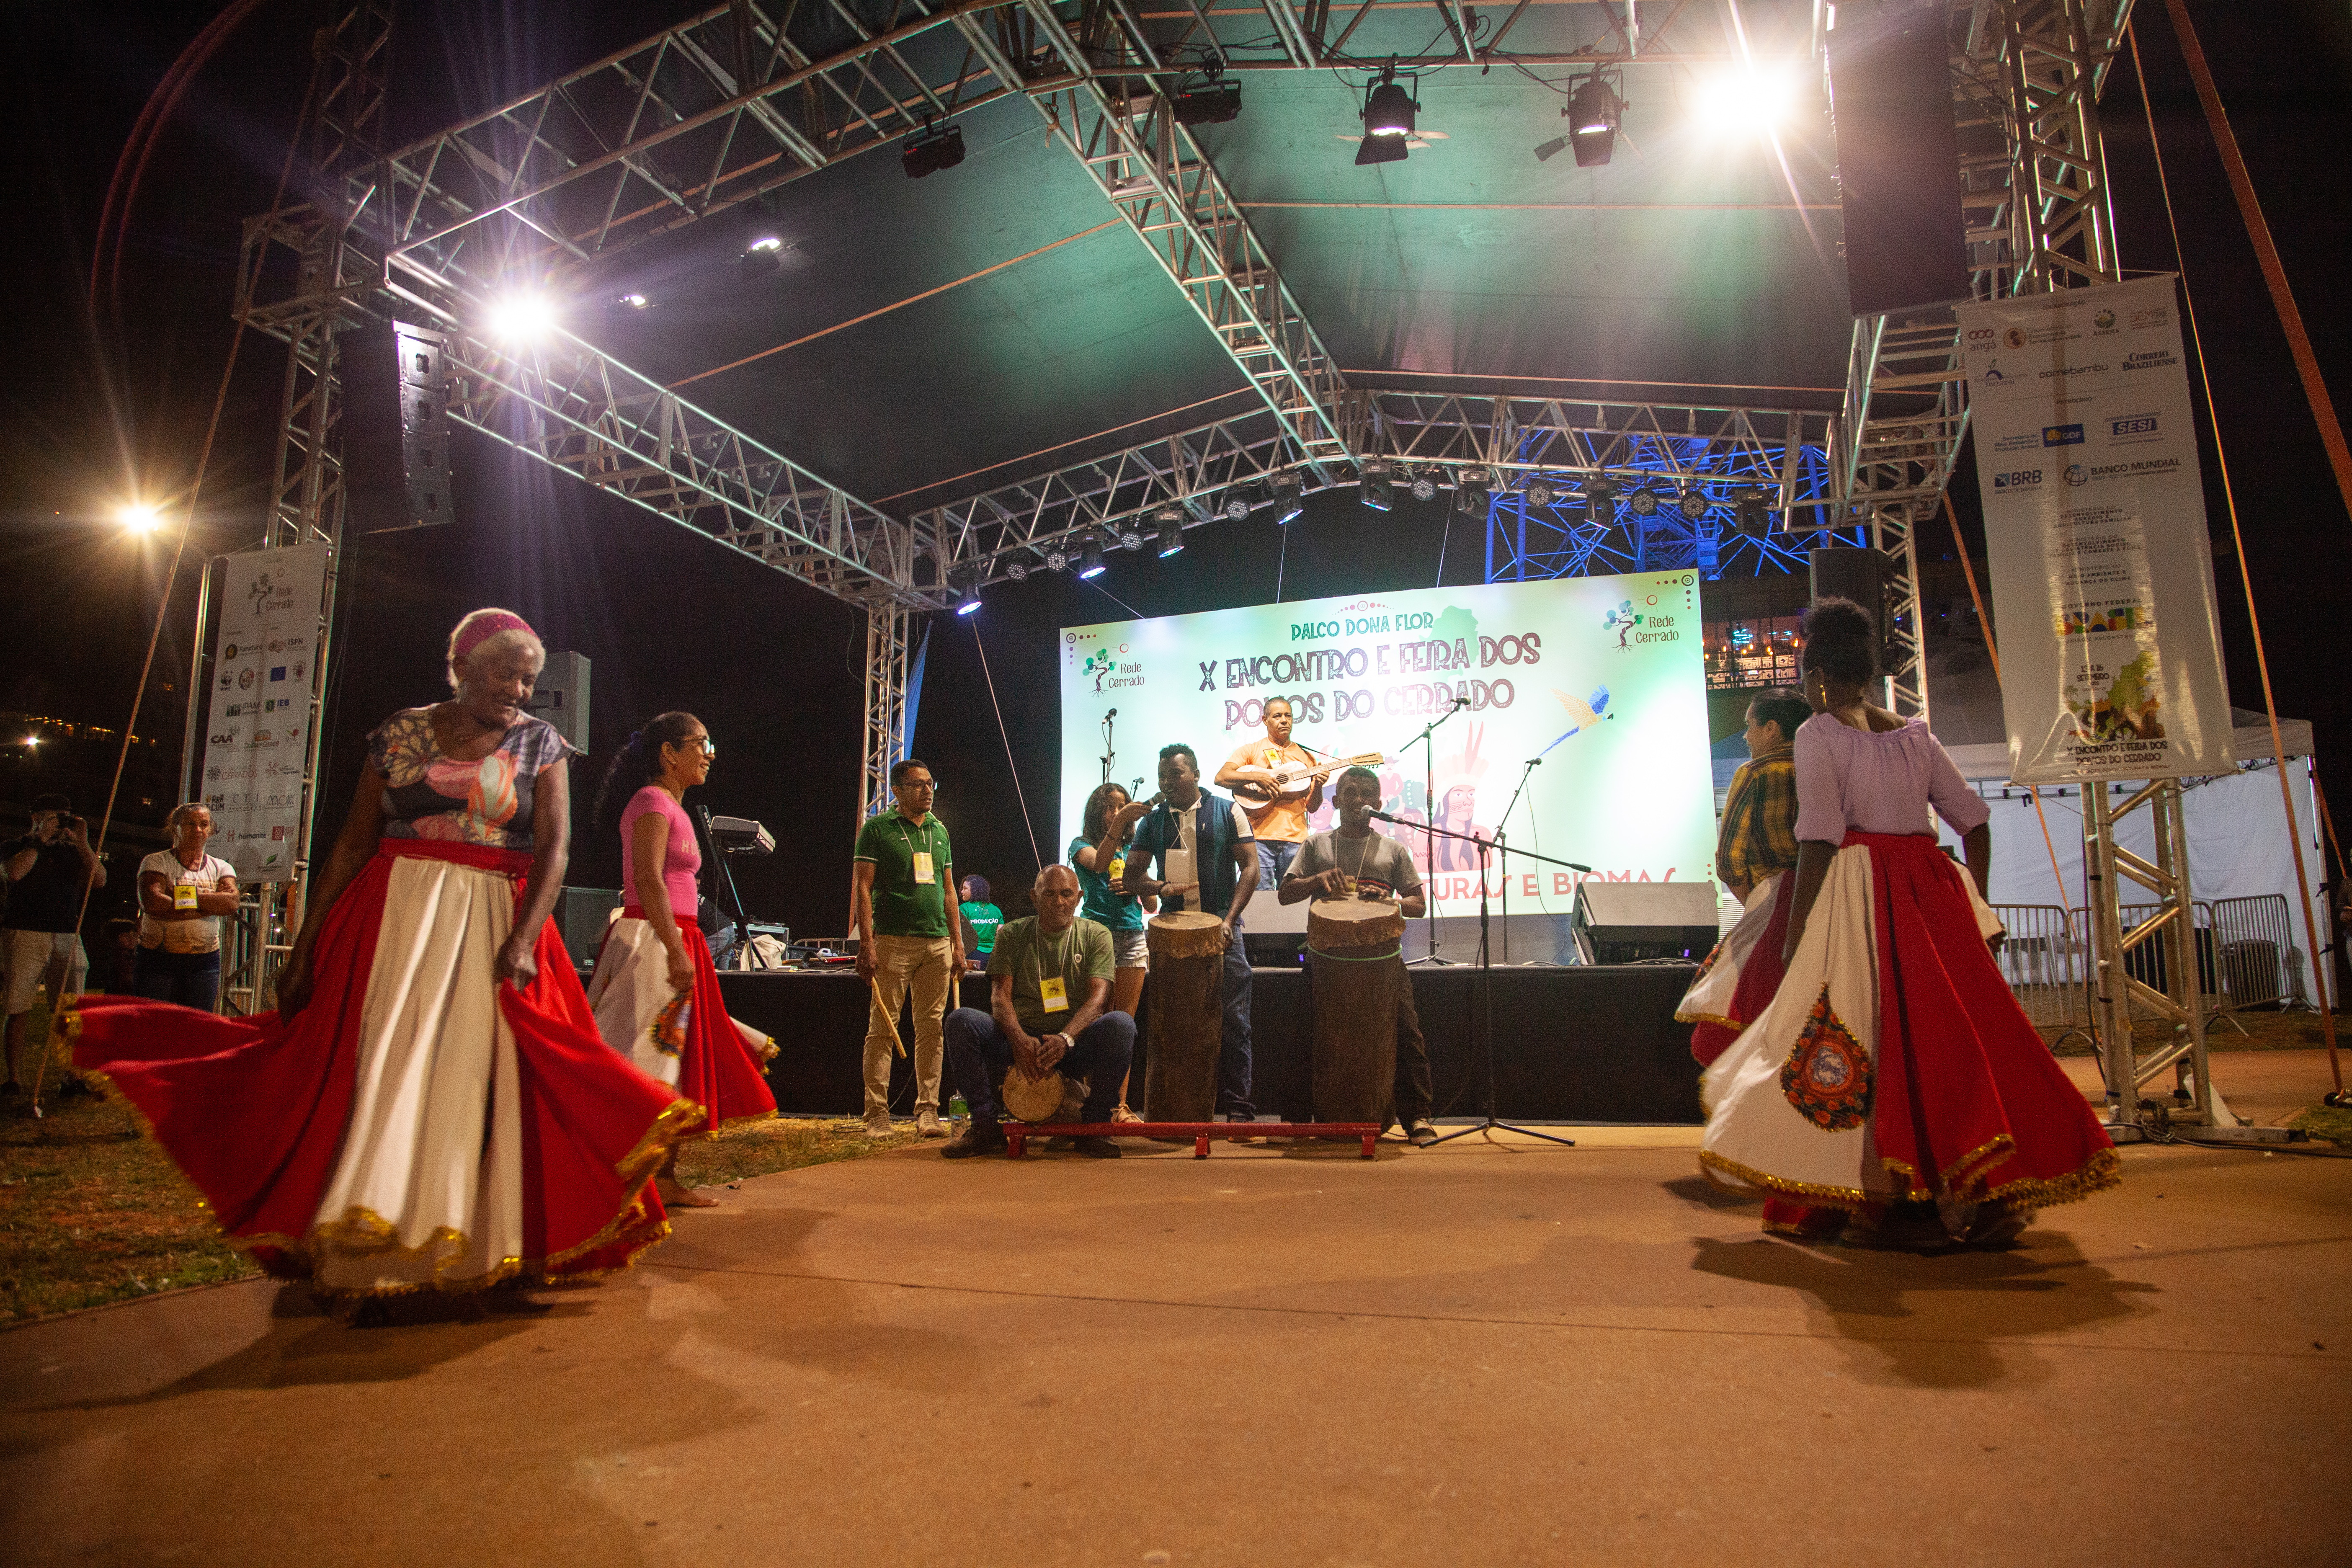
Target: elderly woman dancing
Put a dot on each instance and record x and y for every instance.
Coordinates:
(656, 991)
(1892, 1086)
(431, 1105)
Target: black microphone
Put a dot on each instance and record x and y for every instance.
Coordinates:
(1112, 715)
(1535, 762)
(1383, 815)
(1462, 703)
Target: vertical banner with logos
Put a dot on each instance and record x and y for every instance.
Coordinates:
(265, 658)
(2094, 527)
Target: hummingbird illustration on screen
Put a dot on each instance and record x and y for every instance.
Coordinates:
(1583, 715)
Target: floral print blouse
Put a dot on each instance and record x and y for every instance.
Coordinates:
(430, 795)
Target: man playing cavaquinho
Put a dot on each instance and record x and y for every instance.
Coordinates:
(1278, 818)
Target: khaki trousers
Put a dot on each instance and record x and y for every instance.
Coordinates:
(928, 964)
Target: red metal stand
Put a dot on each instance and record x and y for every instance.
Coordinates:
(1202, 1133)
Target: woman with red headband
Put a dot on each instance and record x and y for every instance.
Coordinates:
(656, 994)
(431, 1105)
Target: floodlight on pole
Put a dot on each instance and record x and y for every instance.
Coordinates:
(137, 517)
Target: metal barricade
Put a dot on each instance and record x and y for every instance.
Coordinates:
(2254, 947)
(2046, 963)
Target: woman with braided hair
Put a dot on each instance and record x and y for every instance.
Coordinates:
(430, 1106)
(1891, 1087)
(656, 991)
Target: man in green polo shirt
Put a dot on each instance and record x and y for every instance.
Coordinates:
(908, 937)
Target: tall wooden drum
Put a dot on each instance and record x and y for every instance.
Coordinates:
(1354, 957)
(1187, 1017)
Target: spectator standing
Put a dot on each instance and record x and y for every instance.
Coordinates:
(183, 894)
(50, 871)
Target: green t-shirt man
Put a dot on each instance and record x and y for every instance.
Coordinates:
(910, 860)
(1075, 956)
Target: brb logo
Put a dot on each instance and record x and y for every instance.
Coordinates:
(2018, 479)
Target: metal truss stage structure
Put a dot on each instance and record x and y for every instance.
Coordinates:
(745, 98)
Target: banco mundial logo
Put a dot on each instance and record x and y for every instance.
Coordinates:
(2077, 475)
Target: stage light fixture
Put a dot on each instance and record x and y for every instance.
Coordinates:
(137, 517)
(1752, 515)
(1211, 102)
(931, 149)
(765, 242)
(1057, 559)
(634, 301)
(1389, 109)
(1747, 101)
(1425, 485)
(1643, 502)
(1236, 506)
(1594, 114)
(1130, 538)
(1170, 518)
(1017, 570)
(1288, 502)
(1375, 489)
(522, 316)
(1539, 492)
(1091, 559)
(970, 602)
(1472, 487)
(1692, 504)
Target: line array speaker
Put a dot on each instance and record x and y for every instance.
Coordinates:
(1863, 574)
(1898, 156)
(395, 428)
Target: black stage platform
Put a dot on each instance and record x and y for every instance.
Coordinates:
(1594, 1044)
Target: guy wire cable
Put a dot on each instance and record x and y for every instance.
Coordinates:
(1006, 736)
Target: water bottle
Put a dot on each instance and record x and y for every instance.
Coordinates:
(959, 1114)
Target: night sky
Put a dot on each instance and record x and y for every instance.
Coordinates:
(107, 396)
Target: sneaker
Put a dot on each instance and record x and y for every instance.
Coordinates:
(1421, 1132)
(877, 1124)
(980, 1138)
(927, 1124)
(1241, 1137)
(1095, 1148)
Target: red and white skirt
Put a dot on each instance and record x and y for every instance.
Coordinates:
(713, 1060)
(1742, 972)
(418, 1125)
(1892, 1063)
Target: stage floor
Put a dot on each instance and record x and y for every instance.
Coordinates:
(1476, 1354)
(1570, 1044)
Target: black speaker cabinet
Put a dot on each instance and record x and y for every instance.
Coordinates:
(1632, 922)
(1863, 574)
(395, 428)
(1898, 155)
(580, 916)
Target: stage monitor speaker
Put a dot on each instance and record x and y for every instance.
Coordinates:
(580, 916)
(1864, 575)
(395, 428)
(1633, 923)
(1898, 155)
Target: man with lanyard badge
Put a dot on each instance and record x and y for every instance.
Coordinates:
(1207, 860)
(908, 938)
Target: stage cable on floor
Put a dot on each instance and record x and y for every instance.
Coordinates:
(2322, 411)
(1006, 735)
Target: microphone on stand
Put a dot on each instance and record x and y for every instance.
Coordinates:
(1535, 762)
(1383, 815)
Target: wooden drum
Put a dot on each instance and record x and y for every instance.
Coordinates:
(1355, 960)
(1186, 1020)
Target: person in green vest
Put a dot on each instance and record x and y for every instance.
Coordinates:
(980, 919)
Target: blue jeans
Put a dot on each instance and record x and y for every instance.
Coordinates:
(1233, 1055)
(979, 1056)
(190, 979)
(1274, 858)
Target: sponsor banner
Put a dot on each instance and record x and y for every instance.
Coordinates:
(2095, 526)
(1602, 678)
(257, 737)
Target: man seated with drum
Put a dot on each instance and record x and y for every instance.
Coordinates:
(1351, 861)
(1049, 978)
(1206, 858)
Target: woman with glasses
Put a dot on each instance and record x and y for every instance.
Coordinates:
(656, 991)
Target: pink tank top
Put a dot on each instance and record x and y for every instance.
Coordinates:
(683, 856)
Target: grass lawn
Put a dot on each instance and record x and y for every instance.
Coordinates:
(91, 1212)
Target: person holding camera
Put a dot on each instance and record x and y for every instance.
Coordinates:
(183, 895)
(50, 871)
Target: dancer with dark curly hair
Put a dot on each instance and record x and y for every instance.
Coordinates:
(1891, 1087)
(656, 991)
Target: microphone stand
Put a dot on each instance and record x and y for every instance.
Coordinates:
(1502, 844)
(1485, 1030)
(1429, 809)
(727, 875)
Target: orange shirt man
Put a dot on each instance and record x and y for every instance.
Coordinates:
(1279, 820)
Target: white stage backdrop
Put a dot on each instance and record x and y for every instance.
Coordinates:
(1602, 678)
(2094, 527)
(258, 737)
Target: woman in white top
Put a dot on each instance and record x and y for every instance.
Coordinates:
(1892, 1076)
(183, 894)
